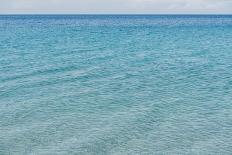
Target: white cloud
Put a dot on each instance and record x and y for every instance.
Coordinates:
(115, 6)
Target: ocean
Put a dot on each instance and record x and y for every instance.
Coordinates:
(115, 84)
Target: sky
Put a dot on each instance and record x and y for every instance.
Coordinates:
(115, 6)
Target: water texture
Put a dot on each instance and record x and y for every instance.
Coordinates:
(115, 85)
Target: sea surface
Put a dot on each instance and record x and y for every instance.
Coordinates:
(115, 85)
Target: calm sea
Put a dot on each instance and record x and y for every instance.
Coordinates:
(115, 85)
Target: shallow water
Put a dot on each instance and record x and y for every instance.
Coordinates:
(101, 85)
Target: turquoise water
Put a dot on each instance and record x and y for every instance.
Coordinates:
(115, 85)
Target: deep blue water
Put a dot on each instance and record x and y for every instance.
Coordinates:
(115, 85)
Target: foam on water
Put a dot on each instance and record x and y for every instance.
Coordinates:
(115, 84)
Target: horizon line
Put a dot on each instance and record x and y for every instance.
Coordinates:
(115, 14)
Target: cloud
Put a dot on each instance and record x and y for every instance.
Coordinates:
(115, 6)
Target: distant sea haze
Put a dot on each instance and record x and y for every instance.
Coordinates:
(115, 84)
